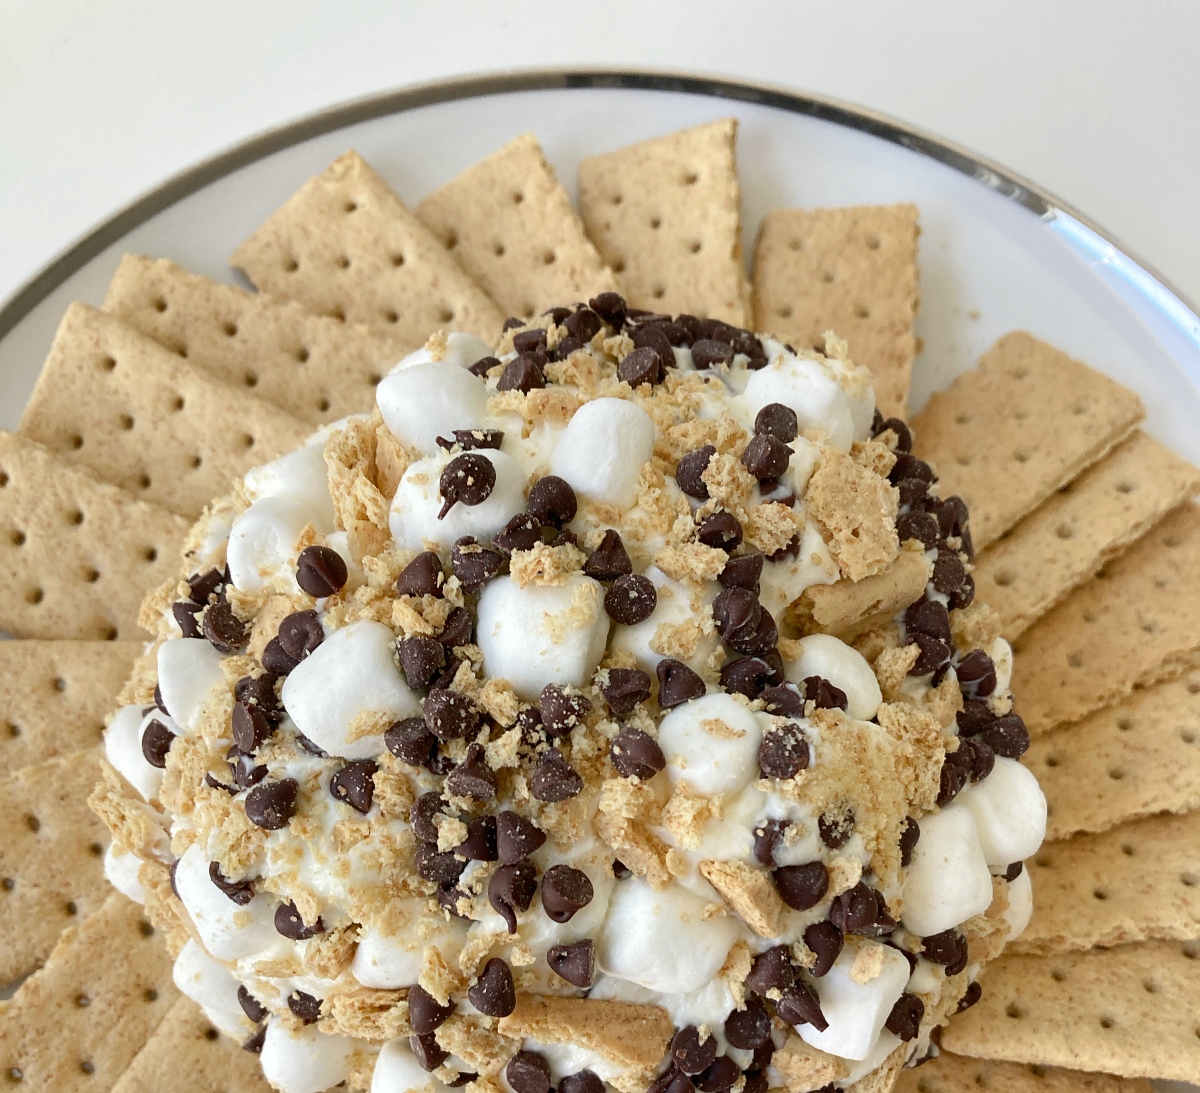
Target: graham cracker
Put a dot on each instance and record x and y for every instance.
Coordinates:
(76, 555)
(1020, 425)
(1132, 883)
(314, 367)
(954, 1074)
(186, 1052)
(1133, 759)
(1088, 522)
(54, 696)
(142, 418)
(76, 1024)
(1129, 1011)
(51, 850)
(851, 270)
(344, 245)
(510, 224)
(665, 214)
(1135, 623)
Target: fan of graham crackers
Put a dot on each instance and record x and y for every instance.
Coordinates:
(1088, 550)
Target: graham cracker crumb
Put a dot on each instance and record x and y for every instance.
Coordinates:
(437, 977)
(685, 815)
(921, 751)
(805, 1067)
(486, 1052)
(875, 455)
(329, 954)
(691, 562)
(366, 1014)
(545, 565)
(868, 962)
(772, 526)
(891, 670)
(855, 510)
(729, 483)
(749, 891)
(974, 627)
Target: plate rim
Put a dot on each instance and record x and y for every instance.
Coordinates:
(1035, 199)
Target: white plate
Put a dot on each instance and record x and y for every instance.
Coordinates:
(995, 252)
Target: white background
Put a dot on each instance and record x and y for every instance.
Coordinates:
(1096, 100)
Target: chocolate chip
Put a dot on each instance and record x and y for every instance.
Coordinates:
(948, 948)
(224, 630)
(920, 526)
(320, 571)
(929, 617)
(468, 479)
(982, 758)
(423, 815)
(583, 324)
(690, 1053)
(835, 829)
(516, 837)
(953, 512)
(954, 776)
(909, 466)
(276, 660)
(767, 834)
(744, 571)
(272, 804)
(562, 711)
(355, 784)
(586, 1081)
(642, 365)
(429, 1053)
(420, 658)
(913, 493)
(259, 692)
(410, 741)
(934, 654)
(254, 1042)
(451, 715)
(976, 674)
(483, 366)
(965, 596)
(784, 700)
(422, 576)
(528, 1072)
(440, 867)
(251, 1006)
(522, 532)
(721, 531)
(480, 843)
(250, 727)
(790, 550)
(771, 970)
(783, 752)
(290, 924)
(1013, 871)
(766, 456)
(856, 911)
(240, 892)
(511, 889)
(1007, 736)
(636, 754)
(552, 501)
(426, 1013)
(185, 615)
(802, 886)
(300, 633)
(470, 440)
(721, 1074)
(523, 373)
(245, 772)
(609, 560)
(825, 940)
(623, 689)
(758, 1082)
(690, 469)
(824, 695)
(653, 335)
(905, 1019)
(564, 891)
(305, 1006)
(748, 1027)
(777, 420)
(474, 565)
(904, 439)
(677, 683)
(472, 777)
(630, 599)
(707, 353)
(974, 718)
(948, 572)
(749, 676)
(610, 306)
(910, 835)
(205, 585)
(554, 779)
(799, 1005)
(457, 628)
(529, 341)
(493, 992)
(736, 612)
(761, 1059)
(971, 995)
(156, 742)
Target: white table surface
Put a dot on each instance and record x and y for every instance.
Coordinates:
(1096, 100)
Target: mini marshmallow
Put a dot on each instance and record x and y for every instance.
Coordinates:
(349, 680)
(123, 749)
(305, 1060)
(1002, 659)
(711, 744)
(228, 930)
(570, 1058)
(298, 476)
(846, 668)
(948, 880)
(810, 389)
(856, 1011)
(732, 836)
(674, 606)
(1010, 812)
(461, 349)
(603, 449)
(662, 940)
(542, 634)
(856, 382)
(414, 521)
(340, 541)
(206, 981)
(389, 962)
(262, 543)
(189, 670)
(121, 871)
(424, 401)
(397, 1071)
(885, 1043)
(1020, 904)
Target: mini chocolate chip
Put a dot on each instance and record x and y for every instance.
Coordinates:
(251, 1006)
(749, 676)
(250, 727)
(276, 659)
(472, 777)
(965, 596)
(254, 1042)
(440, 867)
(610, 306)
(767, 834)
(909, 466)
(474, 565)
(784, 700)
(554, 779)
(305, 1006)
(468, 478)
(690, 469)
(355, 784)
(976, 674)
(516, 837)
(185, 615)
(783, 752)
(766, 456)
(934, 654)
(426, 1013)
(422, 576)
(564, 891)
(791, 550)
(493, 993)
(983, 759)
(1013, 871)
(630, 599)
(643, 365)
(948, 948)
(272, 804)
(824, 695)
(552, 501)
(245, 772)
(802, 886)
(736, 612)
(913, 493)
(457, 629)
(410, 741)
(826, 941)
(974, 718)
(204, 585)
(240, 892)
(744, 571)
(758, 1082)
(1007, 736)
(971, 995)
(624, 689)
(636, 754)
(300, 633)
(948, 572)
(758, 640)
(259, 692)
(320, 571)
(721, 1074)
(420, 657)
(654, 336)
(429, 1053)
(855, 910)
(528, 1072)
(954, 776)
(621, 870)
(483, 366)
(523, 373)
(423, 815)
(905, 1019)
(529, 341)
(929, 617)
(583, 324)
(451, 714)
(522, 532)
(772, 970)
(799, 1005)
(290, 924)
(721, 531)
(471, 440)
(903, 433)
(748, 1027)
(677, 683)
(586, 1081)
(777, 420)
(707, 353)
(835, 829)
(511, 889)
(224, 630)
(454, 900)
(690, 1053)
(920, 526)
(910, 835)
(609, 560)
(480, 843)
(156, 742)
(562, 711)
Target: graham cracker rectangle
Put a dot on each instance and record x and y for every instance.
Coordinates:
(1133, 759)
(1068, 539)
(1135, 882)
(1020, 425)
(77, 1023)
(510, 224)
(54, 696)
(851, 270)
(142, 418)
(1129, 1011)
(1135, 623)
(950, 1073)
(76, 555)
(185, 1052)
(665, 214)
(314, 367)
(344, 245)
(50, 857)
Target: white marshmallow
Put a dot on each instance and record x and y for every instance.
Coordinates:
(810, 389)
(262, 543)
(855, 380)
(856, 1011)
(542, 634)
(846, 668)
(229, 931)
(603, 448)
(1020, 904)
(805, 457)
(662, 940)
(301, 476)
(304, 1061)
(885, 1043)
(340, 541)
(1010, 812)
(121, 871)
(351, 674)
(424, 401)
(397, 1071)
(461, 349)
(1002, 658)
(390, 962)
(783, 581)
(570, 1058)
(732, 836)
(123, 749)
(711, 744)
(414, 519)
(674, 606)
(189, 670)
(206, 981)
(948, 880)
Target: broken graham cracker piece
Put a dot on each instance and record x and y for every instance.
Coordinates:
(76, 554)
(1087, 523)
(1129, 1011)
(54, 696)
(851, 270)
(749, 891)
(186, 1052)
(136, 415)
(78, 1022)
(1135, 623)
(345, 246)
(312, 366)
(1045, 417)
(807, 1067)
(1133, 759)
(949, 1073)
(665, 214)
(510, 224)
(855, 510)
(1135, 882)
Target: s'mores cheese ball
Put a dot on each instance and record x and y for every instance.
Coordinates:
(606, 709)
